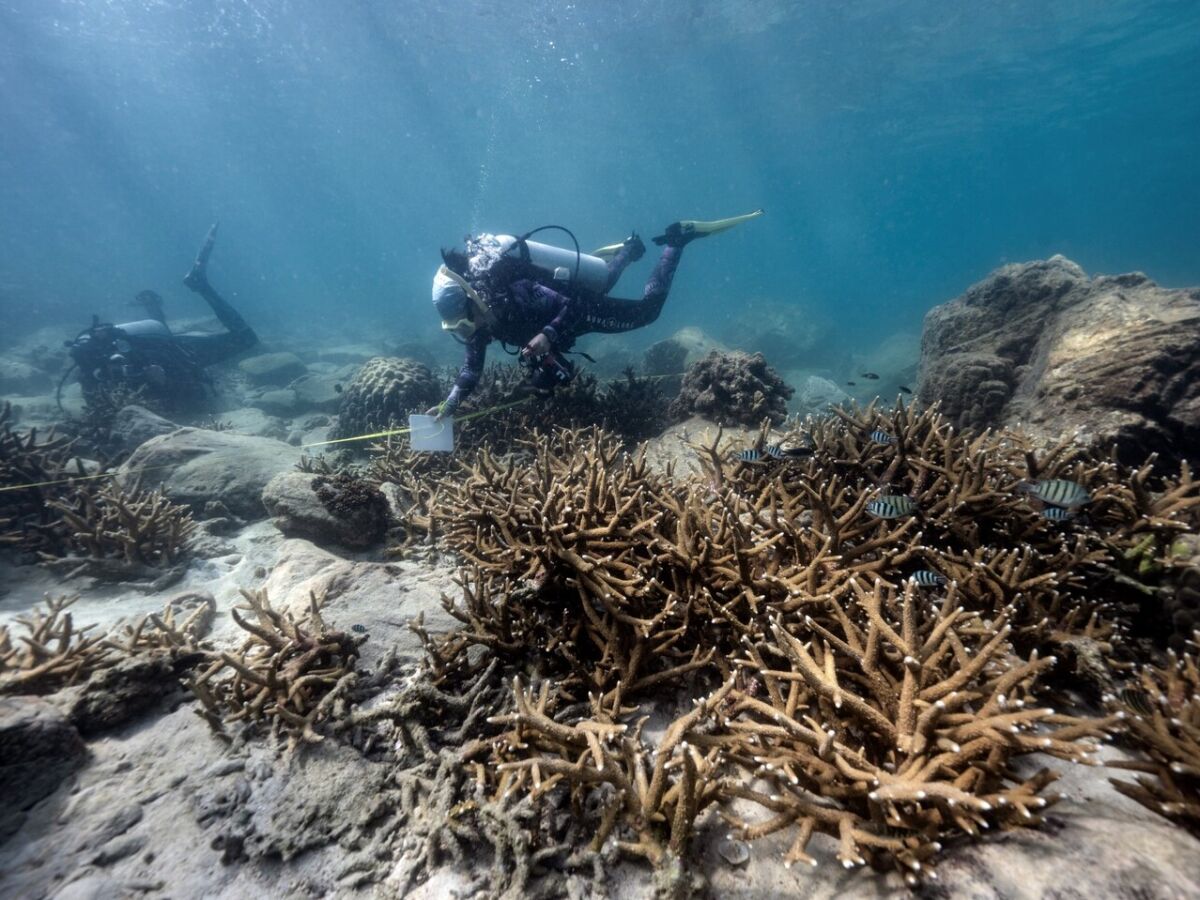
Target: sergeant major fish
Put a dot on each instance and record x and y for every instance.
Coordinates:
(892, 506)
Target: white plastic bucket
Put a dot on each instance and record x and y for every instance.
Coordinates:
(427, 433)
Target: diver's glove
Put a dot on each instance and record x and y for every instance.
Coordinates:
(634, 247)
(447, 407)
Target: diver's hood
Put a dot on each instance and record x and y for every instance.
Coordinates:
(460, 306)
(450, 296)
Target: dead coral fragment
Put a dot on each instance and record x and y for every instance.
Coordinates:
(287, 672)
(1163, 711)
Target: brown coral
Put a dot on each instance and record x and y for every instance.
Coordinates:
(732, 388)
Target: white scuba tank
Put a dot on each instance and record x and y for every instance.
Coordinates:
(145, 328)
(558, 263)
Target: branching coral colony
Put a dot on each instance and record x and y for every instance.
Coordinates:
(867, 671)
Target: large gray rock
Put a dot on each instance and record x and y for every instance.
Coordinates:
(814, 394)
(320, 508)
(380, 597)
(132, 426)
(253, 421)
(1114, 358)
(320, 392)
(195, 466)
(272, 368)
(279, 402)
(38, 749)
(21, 378)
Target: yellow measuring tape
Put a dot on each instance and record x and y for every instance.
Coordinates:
(359, 437)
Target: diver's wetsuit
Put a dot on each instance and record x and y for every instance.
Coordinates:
(146, 356)
(526, 308)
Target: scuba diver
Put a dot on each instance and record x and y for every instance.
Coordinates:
(146, 357)
(540, 298)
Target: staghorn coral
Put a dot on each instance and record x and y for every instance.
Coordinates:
(290, 673)
(892, 725)
(30, 468)
(732, 388)
(52, 653)
(613, 587)
(121, 534)
(1162, 707)
(382, 394)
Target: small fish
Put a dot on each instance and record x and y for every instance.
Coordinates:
(927, 578)
(750, 456)
(1059, 492)
(852, 383)
(880, 436)
(358, 629)
(870, 376)
(892, 506)
(337, 388)
(905, 389)
(1058, 514)
(773, 451)
(797, 452)
(1138, 701)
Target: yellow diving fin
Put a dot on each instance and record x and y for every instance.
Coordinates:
(610, 251)
(679, 233)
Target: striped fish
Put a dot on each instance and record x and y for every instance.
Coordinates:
(880, 436)
(1058, 514)
(1138, 701)
(892, 506)
(927, 578)
(1059, 492)
(774, 451)
(749, 456)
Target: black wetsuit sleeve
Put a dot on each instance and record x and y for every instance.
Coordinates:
(566, 313)
(471, 371)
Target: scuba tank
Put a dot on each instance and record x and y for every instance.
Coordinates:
(501, 256)
(567, 267)
(150, 328)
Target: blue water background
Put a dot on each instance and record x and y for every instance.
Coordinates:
(902, 150)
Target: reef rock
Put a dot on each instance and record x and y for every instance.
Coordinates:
(194, 466)
(731, 388)
(272, 368)
(115, 695)
(318, 392)
(38, 749)
(133, 425)
(814, 395)
(1114, 358)
(338, 509)
(382, 394)
(19, 378)
(253, 421)
(779, 329)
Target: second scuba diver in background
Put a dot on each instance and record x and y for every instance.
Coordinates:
(145, 356)
(540, 298)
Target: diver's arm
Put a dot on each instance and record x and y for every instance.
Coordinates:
(468, 376)
(566, 313)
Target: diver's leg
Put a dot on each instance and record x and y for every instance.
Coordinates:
(609, 315)
(206, 349)
(631, 251)
(241, 336)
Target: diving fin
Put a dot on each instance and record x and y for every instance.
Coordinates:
(679, 233)
(608, 252)
(636, 248)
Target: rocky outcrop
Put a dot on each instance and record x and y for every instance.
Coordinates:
(1114, 358)
(38, 749)
(272, 368)
(327, 509)
(195, 466)
(132, 426)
